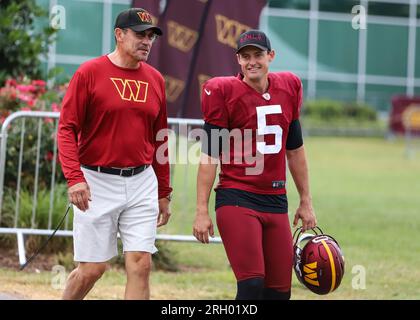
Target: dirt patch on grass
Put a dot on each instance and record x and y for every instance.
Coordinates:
(9, 259)
(37, 280)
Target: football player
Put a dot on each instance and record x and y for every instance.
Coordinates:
(251, 201)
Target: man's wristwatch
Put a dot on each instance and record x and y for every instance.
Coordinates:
(169, 197)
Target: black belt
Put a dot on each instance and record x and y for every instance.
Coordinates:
(124, 172)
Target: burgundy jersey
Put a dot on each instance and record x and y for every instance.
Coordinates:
(258, 163)
(110, 118)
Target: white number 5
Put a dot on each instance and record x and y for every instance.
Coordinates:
(263, 129)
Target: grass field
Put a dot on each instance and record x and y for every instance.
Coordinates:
(366, 194)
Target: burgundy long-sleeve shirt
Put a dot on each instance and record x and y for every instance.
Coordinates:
(111, 117)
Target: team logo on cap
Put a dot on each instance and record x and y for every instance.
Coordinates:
(144, 16)
(250, 37)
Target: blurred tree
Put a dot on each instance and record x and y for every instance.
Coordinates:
(22, 42)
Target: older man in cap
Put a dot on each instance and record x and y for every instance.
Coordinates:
(112, 112)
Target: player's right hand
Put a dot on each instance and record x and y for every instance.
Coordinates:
(79, 195)
(203, 226)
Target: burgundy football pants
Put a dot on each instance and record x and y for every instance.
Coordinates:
(258, 245)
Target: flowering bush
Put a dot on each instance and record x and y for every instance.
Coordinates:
(30, 95)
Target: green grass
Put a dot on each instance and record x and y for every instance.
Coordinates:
(366, 194)
(346, 123)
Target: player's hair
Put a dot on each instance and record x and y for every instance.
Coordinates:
(115, 38)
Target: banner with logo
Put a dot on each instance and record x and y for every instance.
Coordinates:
(216, 55)
(181, 28)
(405, 113)
(199, 42)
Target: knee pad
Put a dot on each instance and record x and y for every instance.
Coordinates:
(250, 289)
(273, 294)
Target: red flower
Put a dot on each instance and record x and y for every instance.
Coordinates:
(26, 88)
(55, 107)
(39, 83)
(11, 83)
(49, 156)
(24, 97)
(31, 103)
(48, 120)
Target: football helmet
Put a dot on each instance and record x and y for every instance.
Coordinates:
(318, 261)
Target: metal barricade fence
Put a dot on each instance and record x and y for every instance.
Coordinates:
(179, 130)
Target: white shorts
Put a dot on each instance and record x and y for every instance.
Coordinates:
(128, 205)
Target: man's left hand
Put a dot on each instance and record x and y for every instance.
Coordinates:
(164, 213)
(305, 212)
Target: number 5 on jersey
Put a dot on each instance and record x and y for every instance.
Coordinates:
(263, 129)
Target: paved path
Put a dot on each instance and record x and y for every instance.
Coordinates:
(6, 296)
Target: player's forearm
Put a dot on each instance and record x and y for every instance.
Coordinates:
(162, 175)
(161, 157)
(68, 154)
(161, 167)
(298, 167)
(205, 180)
